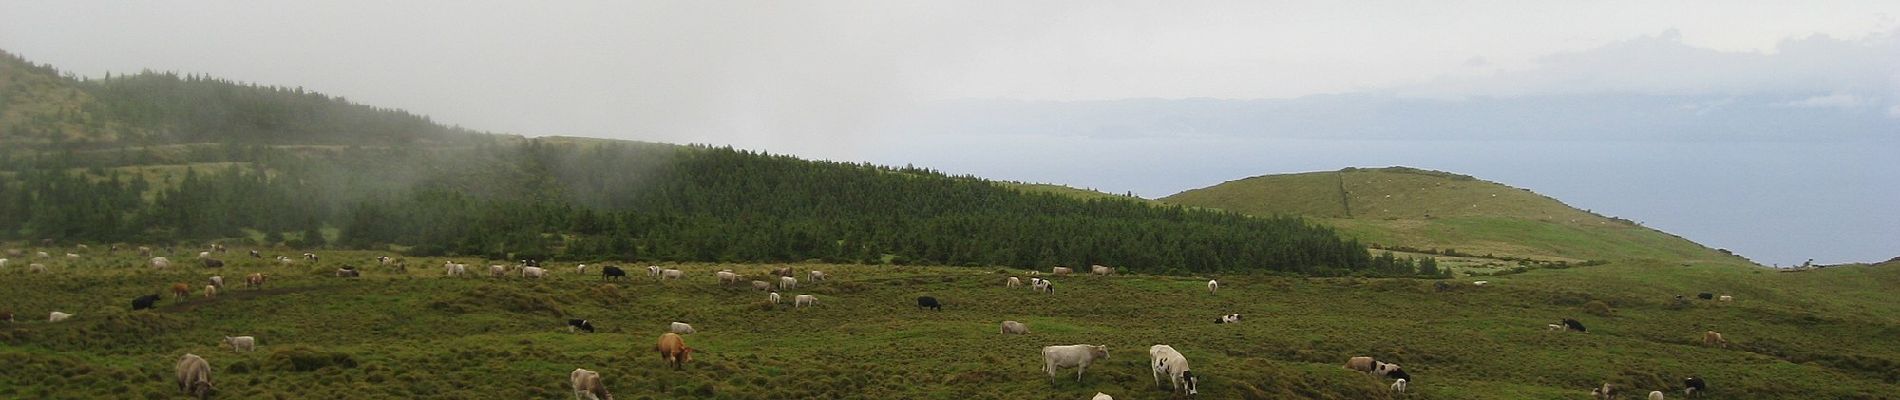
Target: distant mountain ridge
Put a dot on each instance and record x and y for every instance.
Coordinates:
(1423, 209)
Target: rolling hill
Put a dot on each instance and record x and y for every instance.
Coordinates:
(1432, 211)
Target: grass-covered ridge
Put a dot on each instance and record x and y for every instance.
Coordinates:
(416, 334)
(1426, 210)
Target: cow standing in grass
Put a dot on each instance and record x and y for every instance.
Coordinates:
(587, 385)
(194, 376)
(673, 350)
(1054, 358)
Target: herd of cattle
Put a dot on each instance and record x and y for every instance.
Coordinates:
(194, 374)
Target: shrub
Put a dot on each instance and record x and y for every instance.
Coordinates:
(1597, 308)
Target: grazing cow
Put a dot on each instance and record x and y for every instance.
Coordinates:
(1102, 396)
(1705, 296)
(580, 269)
(211, 291)
(533, 272)
(1655, 395)
(36, 268)
(787, 271)
(1572, 324)
(1213, 286)
(1076, 355)
(255, 280)
(1366, 365)
(1713, 338)
(1393, 371)
(201, 254)
(453, 269)
(180, 290)
(673, 349)
(1164, 360)
(217, 247)
(816, 275)
(194, 376)
(3, 263)
(213, 263)
(43, 255)
(1605, 392)
(653, 271)
(726, 277)
(1694, 386)
(1227, 319)
(1101, 270)
(1398, 386)
(144, 302)
(71, 255)
(1015, 328)
(1035, 283)
(1012, 282)
(497, 271)
(385, 260)
(612, 272)
(57, 316)
(282, 260)
(1060, 271)
(255, 254)
(587, 385)
(1047, 287)
(1725, 298)
(1554, 327)
(217, 280)
(580, 324)
(1480, 283)
(773, 297)
(312, 257)
(680, 328)
(145, 251)
(240, 343)
(929, 302)
(673, 274)
(348, 272)
(804, 300)
(786, 282)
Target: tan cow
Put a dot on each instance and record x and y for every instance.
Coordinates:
(255, 280)
(587, 385)
(180, 290)
(673, 350)
(1101, 270)
(1713, 338)
(211, 291)
(194, 376)
(1060, 271)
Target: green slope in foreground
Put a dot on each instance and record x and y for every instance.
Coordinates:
(1404, 207)
(392, 335)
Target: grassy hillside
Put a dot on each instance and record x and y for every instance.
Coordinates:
(416, 334)
(1404, 207)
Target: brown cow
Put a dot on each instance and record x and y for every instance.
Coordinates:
(255, 280)
(673, 349)
(180, 290)
(787, 271)
(1713, 338)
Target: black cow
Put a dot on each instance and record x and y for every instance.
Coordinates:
(612, 272)
(1694, 386)
(214, 263)
(144, 302)
(581, 324)
(929, 302)
(1572, 324)
(1705, 296)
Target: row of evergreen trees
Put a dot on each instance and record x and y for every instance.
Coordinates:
(631, 201)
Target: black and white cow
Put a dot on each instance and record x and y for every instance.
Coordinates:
(1572, 324)
(1227, 319)
(581, 324)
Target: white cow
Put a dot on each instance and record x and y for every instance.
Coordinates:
(3, 263)
(1653, 394)
(804, 300)
(587, 385)
(773, 297)
(1046, 286)
(36, 267)
(1725, 298)
(497, 270)
(580, 269)
(57, 316)
(786, 282)
(161, 263)
(673, 274)
(680, 328)
(240, 343)
(1013, 282)
(453, 269)
(217, 280)
(1480, 283)
(1164, 360)
(653, 271)
(1102, 396)
(43, 255)
(71, 255)
(1398, 386)
(1213, 286)
(816, 275)
(1076, 355)
(726, 277)
(533, 272)
(1015, 328)
(201, 254)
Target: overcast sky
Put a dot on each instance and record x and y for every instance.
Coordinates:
(928, 82)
